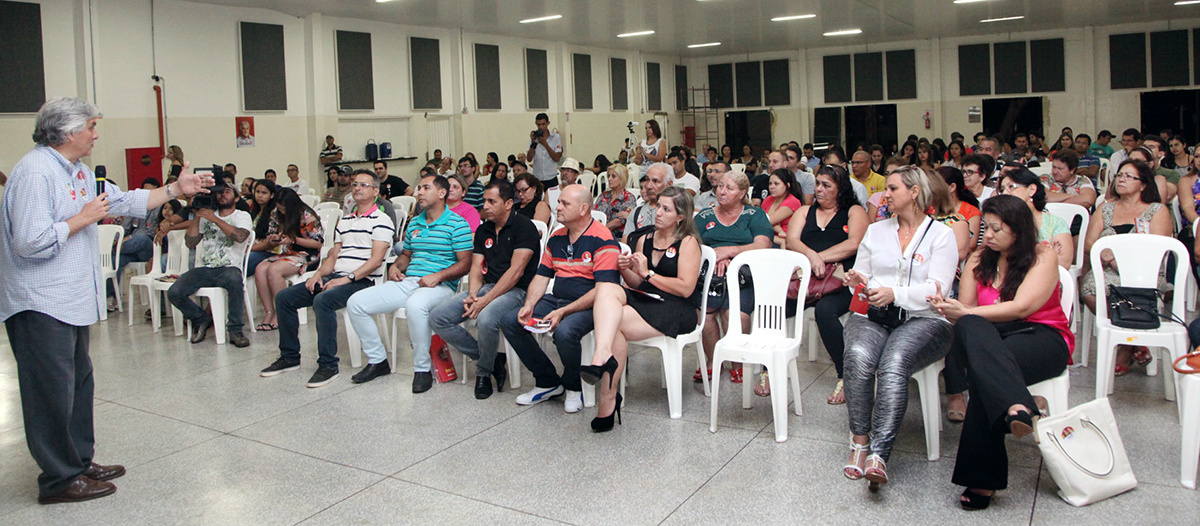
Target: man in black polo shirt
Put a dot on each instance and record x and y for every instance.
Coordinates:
(504, 263)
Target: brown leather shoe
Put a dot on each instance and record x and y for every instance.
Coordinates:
(103, 473)
(80, 489)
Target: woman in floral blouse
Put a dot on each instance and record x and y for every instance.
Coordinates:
(296, 235)
(616, 202)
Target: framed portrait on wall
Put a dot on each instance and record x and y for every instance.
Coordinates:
(245, 131)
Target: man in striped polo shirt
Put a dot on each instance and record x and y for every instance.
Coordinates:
(576, 256)
(468, 168)
(361, 242)
(436, 252)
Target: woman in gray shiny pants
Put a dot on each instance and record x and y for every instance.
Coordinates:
(902, 262)
(875, 355)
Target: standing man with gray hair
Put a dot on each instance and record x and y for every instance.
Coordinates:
(51, 290)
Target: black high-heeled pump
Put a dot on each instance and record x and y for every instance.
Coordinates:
(593, 373)
(1021, 424)
(602, 424)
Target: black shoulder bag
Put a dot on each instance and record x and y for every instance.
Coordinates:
(891, 315)
(1136, 308)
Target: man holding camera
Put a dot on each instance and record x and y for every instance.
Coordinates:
(219, 237)
(545, 150)
(359, 246)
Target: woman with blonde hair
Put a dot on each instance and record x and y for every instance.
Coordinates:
(617, 201)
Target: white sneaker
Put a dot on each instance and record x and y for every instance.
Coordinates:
(573, 402)
(538, 395)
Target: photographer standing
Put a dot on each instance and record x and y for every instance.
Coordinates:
(545, 150)
(218, 237)
(50, 291)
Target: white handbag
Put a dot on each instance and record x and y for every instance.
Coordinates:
(1084, 454)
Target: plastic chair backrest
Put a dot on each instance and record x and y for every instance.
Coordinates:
(635, 173)
(329, 222)
(311, 200)
(177, 251)
(1068, 293)
(109, 235)
(771, 270)
(543, 231)
(405, 203)
(1138, 258)
(1041, 169)
(246, 250)
(599, 216)
(636, 191)
(1068, 212)
(328, 205)
(710, 256)
(588, 180)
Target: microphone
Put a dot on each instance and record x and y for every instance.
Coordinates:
(101, 173)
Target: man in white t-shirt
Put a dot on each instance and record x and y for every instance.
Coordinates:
(219, 238)
(294, 181)
(545, 150)
(683, 179)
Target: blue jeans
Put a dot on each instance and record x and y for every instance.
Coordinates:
(228, 278)
(566, 339)
(325, 305)
(447, 320)
(138, 248)
(417, 301)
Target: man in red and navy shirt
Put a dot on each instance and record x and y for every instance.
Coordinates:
(576, 256)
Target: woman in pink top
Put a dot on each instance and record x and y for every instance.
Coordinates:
(455, 203)
(1009, 332)
(782, 201)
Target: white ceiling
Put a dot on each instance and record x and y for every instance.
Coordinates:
(742, 26)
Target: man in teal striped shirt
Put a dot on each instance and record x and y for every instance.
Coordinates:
(436, 252)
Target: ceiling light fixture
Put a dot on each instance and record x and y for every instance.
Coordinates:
(970, 1)
(844, 32)
(709, 44)
(798, 17)
(541, 19)
(635, 34)
(1002, 19)
(1187, 2)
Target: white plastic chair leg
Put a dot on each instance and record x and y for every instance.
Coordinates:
(352, 341)
(779, 398)
(219, 313)
(931, 408)
(1085, 343)
(177, 319)
(704, 378)
(514, 365)
(810, 326)
(1189, 449)
(1055, 391)
(672, 358)
(1106, 360)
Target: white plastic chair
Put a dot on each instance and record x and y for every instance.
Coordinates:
(329, 221)
(768, 342)
(311, 200)
(144, 279)
(218, 298)
(329, 205)
(588, 180)
(931, 407)
(112, 237)
(600, 216)
(544, 231)
(1055, 390)
(1041, 169)
(672, 348)
(1189, 408)
(177, 253)
(405, 204)
(1068, 212)
(1138, 258)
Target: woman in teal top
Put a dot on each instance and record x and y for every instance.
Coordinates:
(730, 228)
(1052, 230)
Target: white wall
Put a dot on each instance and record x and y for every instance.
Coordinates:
(194, 47)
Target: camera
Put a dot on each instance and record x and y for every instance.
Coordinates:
(631, 125)
(209, 200)
(538, 133)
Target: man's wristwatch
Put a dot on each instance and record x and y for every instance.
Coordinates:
(352, 277)
(649, 274)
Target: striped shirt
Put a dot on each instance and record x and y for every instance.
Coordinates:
(576, 267)
(474, 196)
(435, 246)
(356, 234)
(41, 268)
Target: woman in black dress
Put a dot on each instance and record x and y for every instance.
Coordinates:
(663, 269)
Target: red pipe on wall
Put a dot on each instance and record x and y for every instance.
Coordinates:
(162, 138)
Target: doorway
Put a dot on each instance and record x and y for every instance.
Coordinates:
(1008, 117)
(748, 127)
(867, 125)
(1175, 110)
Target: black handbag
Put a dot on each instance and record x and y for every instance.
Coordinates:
(890, 316)
(1135, 308)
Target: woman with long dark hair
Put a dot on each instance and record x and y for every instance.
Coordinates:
(653, 149)
(783, 199)
(262, 207)
(909, 151)
(1010, 332)
(530, 200)
(829, 231)
(955, 153)
(295, 236)
(492, 161)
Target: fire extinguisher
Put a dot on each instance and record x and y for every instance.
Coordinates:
(927, 122)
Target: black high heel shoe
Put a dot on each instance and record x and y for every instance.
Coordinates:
(602, 424)
(1021, 424)
(593, 373)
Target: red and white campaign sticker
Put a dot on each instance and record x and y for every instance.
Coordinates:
(671, 252)
(587, 257)
(487, 244)
(710, 225)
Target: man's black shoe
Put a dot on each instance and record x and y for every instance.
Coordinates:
(371, 372)
(200, 330)
(422, 381)
(483, 387)
(238, 339)
(500, 372)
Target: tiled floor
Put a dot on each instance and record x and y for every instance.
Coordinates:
(207, 441)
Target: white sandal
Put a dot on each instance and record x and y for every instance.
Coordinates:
(877, 473)
(853, 470)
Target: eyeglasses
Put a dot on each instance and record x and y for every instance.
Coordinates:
(1128, 176)
(858, 162)
(1013, 186)
(363, 185)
